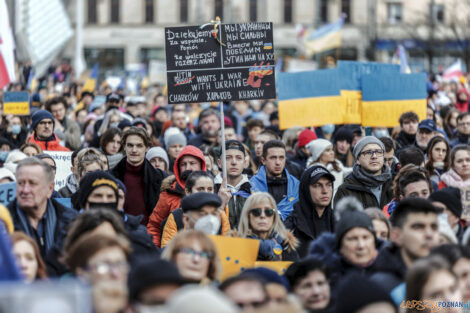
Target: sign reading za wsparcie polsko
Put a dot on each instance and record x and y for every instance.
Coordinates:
(199, 69)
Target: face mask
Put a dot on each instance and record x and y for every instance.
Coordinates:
(208, 224)
(113, 125)
(438, 165)
(99, 205)
(381, 133)
(3, 155)
(328, 129)
(16, 129)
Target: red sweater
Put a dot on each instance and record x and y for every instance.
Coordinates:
(134, 182)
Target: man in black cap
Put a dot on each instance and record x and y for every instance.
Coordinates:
(313, 214)
(97, 190)
(448, 200)
(426, 130)
(43, 132)
(199, 205)
(414, 233)
(151, 288)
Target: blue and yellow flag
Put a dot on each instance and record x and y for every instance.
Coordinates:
(385, 97)
(324, 38)
(32, 83)
(350, 73)
(309, 98)
(91, 82)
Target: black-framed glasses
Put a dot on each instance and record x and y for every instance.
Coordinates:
(201, 254)
(370, 153)
(257, 212)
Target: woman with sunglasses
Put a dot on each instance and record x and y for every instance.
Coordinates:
(260, 219)
(195, 256)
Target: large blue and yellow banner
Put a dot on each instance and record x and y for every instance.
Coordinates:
(385, 97)
(309, 98)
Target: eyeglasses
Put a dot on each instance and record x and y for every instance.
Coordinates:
(463, 124)
(104, 268)
(370, 153)
(257, 212)
(201, 254)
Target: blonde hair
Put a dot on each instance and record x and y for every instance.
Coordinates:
(244, 227)
(184, 239)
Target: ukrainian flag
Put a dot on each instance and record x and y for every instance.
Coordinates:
(32, 83)
(385, 97)
(324, 38)
(309, 98)
(350, 85)
(91, 82)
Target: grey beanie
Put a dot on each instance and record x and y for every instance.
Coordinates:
(174, 139)
(364, 142)
(317, 146)
(158, 152)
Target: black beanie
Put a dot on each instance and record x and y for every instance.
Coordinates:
(350, 220)
(39, 116)
(343, 133)
(450, 197)
(90, 182)
(357, 291)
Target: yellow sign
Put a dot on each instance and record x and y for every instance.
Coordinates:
(16, 103)
(236, 254)
(387, 113)
(352, 106)
(280, 267)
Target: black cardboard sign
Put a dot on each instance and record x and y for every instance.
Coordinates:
(199, 69)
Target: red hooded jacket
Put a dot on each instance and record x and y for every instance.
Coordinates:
(49, 145)
(171, 193)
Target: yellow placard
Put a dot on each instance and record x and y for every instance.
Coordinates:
(308, 112)
(279, 266)
(387, 113)
(352, 106)
(236, 254)
(16, 108)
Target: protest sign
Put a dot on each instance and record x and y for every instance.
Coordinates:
(241, 67)
(63, 161)
(236, 254)
(16, 103)
(309, 98)
(157, 72)
(465, 194)
(386, 96)
(7, 193)
(279, 266)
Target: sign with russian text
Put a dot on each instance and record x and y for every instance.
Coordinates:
(16, 103)
(234, 63)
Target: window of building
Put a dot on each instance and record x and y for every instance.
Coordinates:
(288, 11)
(394, 12)
(92, 12)
(437, 13)
(183, 11)
(346, 9)
(115, 11)
(323, 9)
(149, 11)
(253, 10)
(219, 9)
(111, 60)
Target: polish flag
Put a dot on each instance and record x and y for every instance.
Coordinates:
(7, 46)
(453, 72)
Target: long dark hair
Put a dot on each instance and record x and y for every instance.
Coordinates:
(193, 178)
(429, 166)
(108, 136)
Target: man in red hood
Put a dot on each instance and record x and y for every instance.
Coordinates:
(189, 160)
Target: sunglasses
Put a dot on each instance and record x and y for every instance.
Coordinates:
(257, 212)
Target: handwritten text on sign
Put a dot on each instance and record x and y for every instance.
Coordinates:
(16, 103)
(201, 70)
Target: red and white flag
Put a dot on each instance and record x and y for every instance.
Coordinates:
(7, 46)
(453, 72)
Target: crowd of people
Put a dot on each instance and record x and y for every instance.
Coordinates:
(371, 220)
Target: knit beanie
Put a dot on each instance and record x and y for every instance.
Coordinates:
(39, 116)
(176, 139)
(317, 146)
(305, 137)
(364, 142)
(90, 182)
(358, 291)
(159, 152)
(450, 197)
(6, 173)
(343, 133)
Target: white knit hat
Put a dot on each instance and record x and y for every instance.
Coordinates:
(6, 173)
(158, 152)
(317, 146)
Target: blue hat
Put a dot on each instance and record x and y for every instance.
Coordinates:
(428, 124)
(39, 116)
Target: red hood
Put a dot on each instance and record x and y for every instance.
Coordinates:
(192, 151)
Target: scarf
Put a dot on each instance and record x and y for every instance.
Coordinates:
(72, 183)
(51, 221)
(369, 180)
(452, 179)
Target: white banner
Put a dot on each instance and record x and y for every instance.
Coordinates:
(63, 163)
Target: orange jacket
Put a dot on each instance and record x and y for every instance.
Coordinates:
(171, 227)
(48, 145)
(171, 193)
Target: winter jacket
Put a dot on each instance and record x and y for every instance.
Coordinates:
(18, 141)
(240, 193)
(258, 183)
(389, 268)
(353, 187)
(141, 241)
(152, 181)
(171, 193)
(72, 134)
(174, 224)
(460, 139)
(52, 144)
(300, 158)
(404, 140)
